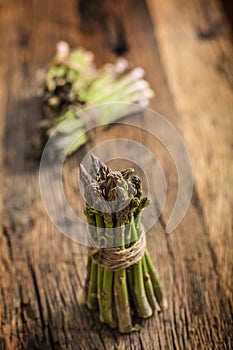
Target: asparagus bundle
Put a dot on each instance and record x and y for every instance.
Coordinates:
(122, 283)
(73, 83)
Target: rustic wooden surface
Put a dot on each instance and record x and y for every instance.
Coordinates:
(186, 50)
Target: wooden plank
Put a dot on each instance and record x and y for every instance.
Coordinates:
(42, 272)
(196, 50)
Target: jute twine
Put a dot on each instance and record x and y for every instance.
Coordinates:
(115, 259)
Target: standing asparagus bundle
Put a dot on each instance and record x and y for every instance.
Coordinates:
(121, 283)
(73, 82)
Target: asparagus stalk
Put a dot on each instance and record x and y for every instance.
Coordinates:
(120, 283)
(158, 291)
(107, 299)
(91, 221)
(106, 313)
(149, 286)
(99, 225)
(92, 301)
(143, 306)
(122, 299)
(87, 280)
(92, 268)
(134, 290)
(107, 294)
(73, 83)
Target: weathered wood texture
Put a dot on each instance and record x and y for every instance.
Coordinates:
(185, 49)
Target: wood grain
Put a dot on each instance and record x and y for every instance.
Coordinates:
(200, 79)
(188, 64)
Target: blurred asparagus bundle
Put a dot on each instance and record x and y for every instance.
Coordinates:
(121, 282)
(73, 82)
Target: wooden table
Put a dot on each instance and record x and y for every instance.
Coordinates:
(186, 51)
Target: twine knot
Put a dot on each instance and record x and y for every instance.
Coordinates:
(115, 259)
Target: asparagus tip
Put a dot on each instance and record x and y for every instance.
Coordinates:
(84, 176)
(126, 173)
(94, 157)
(63, 48)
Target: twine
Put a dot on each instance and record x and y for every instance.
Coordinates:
(115, 259)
